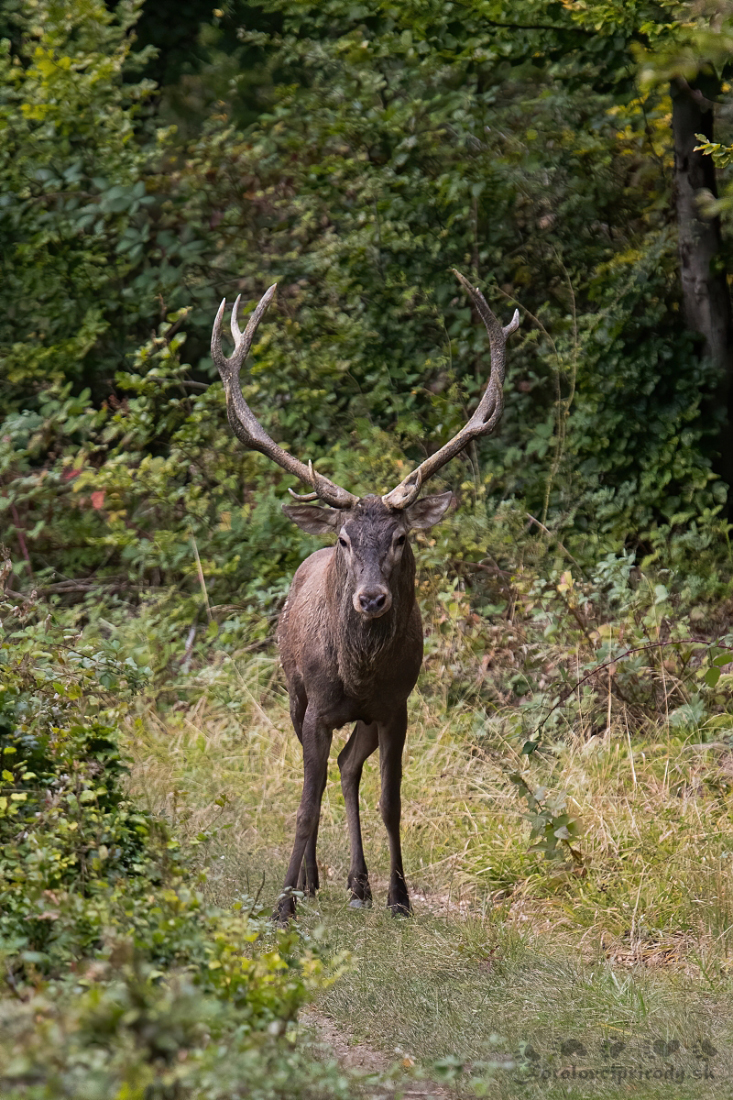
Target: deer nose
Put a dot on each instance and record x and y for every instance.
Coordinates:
(373, 601)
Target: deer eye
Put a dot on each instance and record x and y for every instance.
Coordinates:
(343, 542)
(400, 541)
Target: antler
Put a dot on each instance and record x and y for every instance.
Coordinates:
(486, 416)
(243, 422)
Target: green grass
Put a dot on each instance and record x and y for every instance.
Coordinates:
(481, 990)
(507, 951)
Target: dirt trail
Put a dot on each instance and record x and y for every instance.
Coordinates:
(366, 1063)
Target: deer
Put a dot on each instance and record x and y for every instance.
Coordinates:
(350, 633)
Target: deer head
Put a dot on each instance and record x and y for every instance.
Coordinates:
(371, 544)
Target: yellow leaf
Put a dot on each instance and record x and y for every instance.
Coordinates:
(37, 113)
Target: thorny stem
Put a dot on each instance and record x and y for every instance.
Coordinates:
(21, 537)
(557, 540)
(534, 738)
(563, 406)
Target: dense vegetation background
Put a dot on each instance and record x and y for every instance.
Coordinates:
(569, 157)
(353, 154)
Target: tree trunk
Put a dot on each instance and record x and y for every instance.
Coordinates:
(705, 293)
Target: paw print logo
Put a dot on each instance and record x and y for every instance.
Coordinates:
(571, 1048)
(665, 1049)
(612, 1048)
(704, 1049)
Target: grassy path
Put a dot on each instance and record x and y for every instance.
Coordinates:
(377, 1074)
(513, 976)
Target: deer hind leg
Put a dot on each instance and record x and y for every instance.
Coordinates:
(298, 706)
(316, 746)
(391, 743)
(362, 743)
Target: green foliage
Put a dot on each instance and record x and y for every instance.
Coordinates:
(128, 982)
(553, 828)
(69, 837)
(387, 147)
(75, 212)
(614, 639)
(125, 1032)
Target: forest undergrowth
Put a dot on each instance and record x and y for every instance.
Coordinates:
(566, 822)
(569, 767)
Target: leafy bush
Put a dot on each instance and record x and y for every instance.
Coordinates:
(122, 979)
(124, 1031)
(519, 153)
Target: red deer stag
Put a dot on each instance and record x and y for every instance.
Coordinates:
(350, 633)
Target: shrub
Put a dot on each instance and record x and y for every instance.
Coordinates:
(121, 979)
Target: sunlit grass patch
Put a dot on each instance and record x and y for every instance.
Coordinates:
(567, 843)
(508, 951)
(654, 815)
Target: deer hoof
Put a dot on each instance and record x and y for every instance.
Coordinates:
(400, 908)
(284, 911)
(281, 918)
(360, 903)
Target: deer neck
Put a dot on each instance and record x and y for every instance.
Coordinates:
(364, 647)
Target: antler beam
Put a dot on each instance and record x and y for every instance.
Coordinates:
(487, 414)
(243, 422)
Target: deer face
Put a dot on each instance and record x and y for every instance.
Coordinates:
(371, 542)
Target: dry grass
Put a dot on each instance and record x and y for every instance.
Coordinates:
(506, 949)
(657, 830)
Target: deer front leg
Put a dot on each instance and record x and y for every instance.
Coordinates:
(308, 882)
(391, 743)
(358, 748)
(316, 747)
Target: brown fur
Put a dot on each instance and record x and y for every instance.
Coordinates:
(350, 633)
(342, 666)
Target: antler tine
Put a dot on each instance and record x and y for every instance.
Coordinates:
(241, 419)
(303, 496)
(234, 322)
(487, 414)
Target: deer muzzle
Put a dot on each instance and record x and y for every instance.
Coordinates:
(373, 601)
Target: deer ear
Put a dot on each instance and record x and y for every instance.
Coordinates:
(429, 510)
(314, 520)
